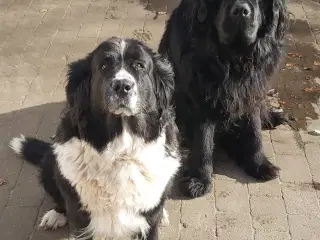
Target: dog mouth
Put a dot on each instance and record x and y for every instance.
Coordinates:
(122, 107)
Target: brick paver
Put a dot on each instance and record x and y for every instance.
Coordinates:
(39, 37)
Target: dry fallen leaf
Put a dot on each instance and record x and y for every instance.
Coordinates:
(282, 102)
(295, 55)
(312, 89)
(308, 90)
(2, 181)
(290, 64)
(316, 63)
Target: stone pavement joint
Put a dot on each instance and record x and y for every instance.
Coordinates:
(38, 38)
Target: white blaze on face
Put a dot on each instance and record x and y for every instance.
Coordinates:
(123, 74)
(123, 46)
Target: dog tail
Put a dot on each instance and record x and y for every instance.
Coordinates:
(31, 149)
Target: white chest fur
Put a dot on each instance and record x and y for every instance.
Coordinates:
(128, 177)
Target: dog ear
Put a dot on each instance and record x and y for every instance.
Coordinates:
(164, 81)
(78, 90)
(280, 18)
(202, 11)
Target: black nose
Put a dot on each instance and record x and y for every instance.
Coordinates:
(122, 86)
(240, 10)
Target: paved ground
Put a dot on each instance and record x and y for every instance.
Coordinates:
(39, 37)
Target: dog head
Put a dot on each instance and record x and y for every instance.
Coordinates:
(242, 22)
(121, 77)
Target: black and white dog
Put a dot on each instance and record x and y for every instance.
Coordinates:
(116, 149)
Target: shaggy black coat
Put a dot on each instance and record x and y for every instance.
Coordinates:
(221, 86)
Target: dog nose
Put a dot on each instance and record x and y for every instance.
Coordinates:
(122, 86)
(240, 10)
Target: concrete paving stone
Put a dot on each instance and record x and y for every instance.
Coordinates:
(266, 135)
(111, 28)
(74, 16)
(21, 36)
(269, 213)
(8, 111)
(287, 148)
(268, 150)
(10, 166)
(226, 169)
(134, 23)
(294, 168)
(308, 138)
(27, 121)
(30, 22)
(153, 30)
(14, 92)
(7, 65)
(300, 199)
(267, 205)
(37, 99)
(61, 45)
(172, 231)
(50, 122)
(12, 51)
(46, 30)
(269, 189)
(231, 197)
(43, 83)
(199, 213)
(303, 227)
(4, 193)
(234, 226)
(90, 30)
(94, 17)
(84, 46)
(313, 155)
(25, 71)
(59, 94)
(52, 67)
(117, 10)
(283, 136)
(272, 236)
(191, 234)
(28, 192)
(56, 12)
(17, 222)
(36, 50)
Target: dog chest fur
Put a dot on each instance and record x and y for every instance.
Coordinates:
(115, 185)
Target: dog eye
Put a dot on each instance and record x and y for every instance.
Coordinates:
(107, 61)
(138, 66)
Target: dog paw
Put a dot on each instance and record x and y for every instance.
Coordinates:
(53, 220)
(276, 119)
(165, 218)
(264, 172)
(194, 187)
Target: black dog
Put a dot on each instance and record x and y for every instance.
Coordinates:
(223, 52)
(116, 149)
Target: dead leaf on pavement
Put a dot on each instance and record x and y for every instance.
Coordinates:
(312, 89)
(2, 181)
(316, 63)
(295, 55)
(290, 64)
